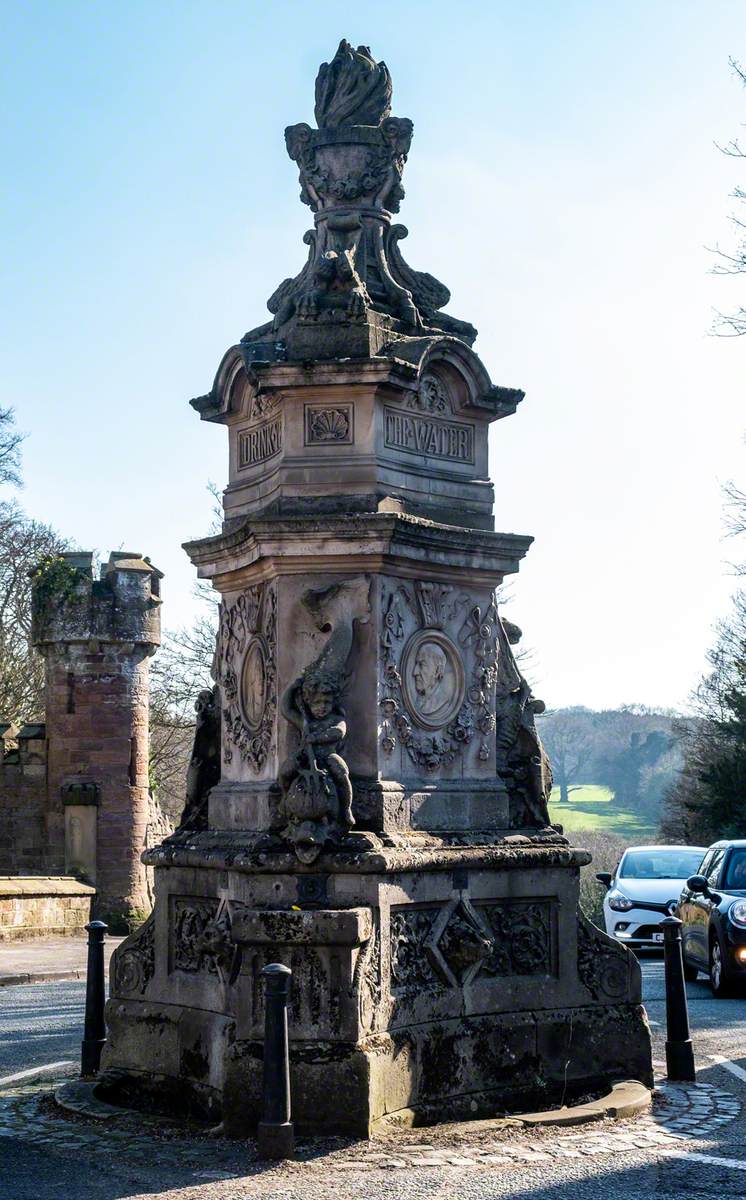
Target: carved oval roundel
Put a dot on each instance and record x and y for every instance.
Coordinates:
(432, 678)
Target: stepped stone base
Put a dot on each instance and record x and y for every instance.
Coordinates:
(457, 981)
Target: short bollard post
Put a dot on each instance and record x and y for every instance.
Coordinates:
(275, 1135)
(94, 1030)
(679, 1052)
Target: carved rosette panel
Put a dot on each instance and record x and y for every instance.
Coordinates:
(247, 673)
(603, 966)
(439, 668)
(135, 962)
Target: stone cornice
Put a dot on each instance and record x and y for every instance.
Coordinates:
(366, 854)
(357, 542)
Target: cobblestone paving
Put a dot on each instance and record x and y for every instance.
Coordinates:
(684, 1116)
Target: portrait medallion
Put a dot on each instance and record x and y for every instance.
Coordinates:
(254, 684)
(432, 679)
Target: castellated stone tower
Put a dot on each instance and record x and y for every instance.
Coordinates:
(97, 637)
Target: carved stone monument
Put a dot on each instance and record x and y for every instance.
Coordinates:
(380, 821)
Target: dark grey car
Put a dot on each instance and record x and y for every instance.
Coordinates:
(712, 908)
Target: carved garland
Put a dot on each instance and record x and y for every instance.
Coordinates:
(248, 637)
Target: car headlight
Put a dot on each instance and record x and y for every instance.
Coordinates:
(619, 902)
(737, 912)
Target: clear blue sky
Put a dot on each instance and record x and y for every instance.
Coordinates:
(563, 181)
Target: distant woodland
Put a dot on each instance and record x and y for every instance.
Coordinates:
(633, 751)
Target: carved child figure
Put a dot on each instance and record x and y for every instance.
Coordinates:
(312, 704)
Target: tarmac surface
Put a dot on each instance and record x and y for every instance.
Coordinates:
(41, 960)
(692, 1145)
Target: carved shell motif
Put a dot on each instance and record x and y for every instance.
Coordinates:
(329, 425)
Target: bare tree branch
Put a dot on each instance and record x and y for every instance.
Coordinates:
(10, 448)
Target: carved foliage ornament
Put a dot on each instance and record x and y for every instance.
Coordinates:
(430, 704)
(135, 960)
(603, 965)
(201, 938)
(366, 981)
(455, 944)
(431, 396)
(247, 673)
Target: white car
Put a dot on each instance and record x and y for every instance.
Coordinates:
(644, 889)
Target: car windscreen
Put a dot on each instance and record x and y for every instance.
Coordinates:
(735, 870)
(663, 863)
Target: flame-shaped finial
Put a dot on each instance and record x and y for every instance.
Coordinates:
(353, 89)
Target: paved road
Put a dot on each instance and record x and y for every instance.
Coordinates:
(40, 1023)
(43, 1023)
(717, 1026)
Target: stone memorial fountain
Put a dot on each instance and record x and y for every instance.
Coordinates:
(367, 803)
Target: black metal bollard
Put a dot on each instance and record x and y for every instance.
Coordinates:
(94, 1030)
(679, 1052)
(275, 1135)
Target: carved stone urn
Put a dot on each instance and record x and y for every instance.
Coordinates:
(380, 820)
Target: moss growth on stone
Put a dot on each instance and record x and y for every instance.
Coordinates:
(54, 581)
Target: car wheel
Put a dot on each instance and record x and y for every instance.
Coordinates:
(690, 973)
(719, 981)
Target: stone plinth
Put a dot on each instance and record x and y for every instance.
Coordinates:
(380, 823)
(458, 981)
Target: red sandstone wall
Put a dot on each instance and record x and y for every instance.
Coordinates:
(97, 727)
(24, 848)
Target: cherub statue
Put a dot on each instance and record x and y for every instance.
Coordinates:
(316, 793)
(312, 704)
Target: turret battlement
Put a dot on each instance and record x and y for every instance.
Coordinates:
(75, 793)
(71, 605)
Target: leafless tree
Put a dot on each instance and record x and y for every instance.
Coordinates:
(569, 743)
(23, 544)
(179, 671)
(10, 448)
(733, 262)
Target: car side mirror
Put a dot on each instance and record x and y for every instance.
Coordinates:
(605, 878)
(698, 883)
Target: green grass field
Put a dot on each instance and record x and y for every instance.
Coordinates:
(592, 807)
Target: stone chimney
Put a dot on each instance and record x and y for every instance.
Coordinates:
(97, 637)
